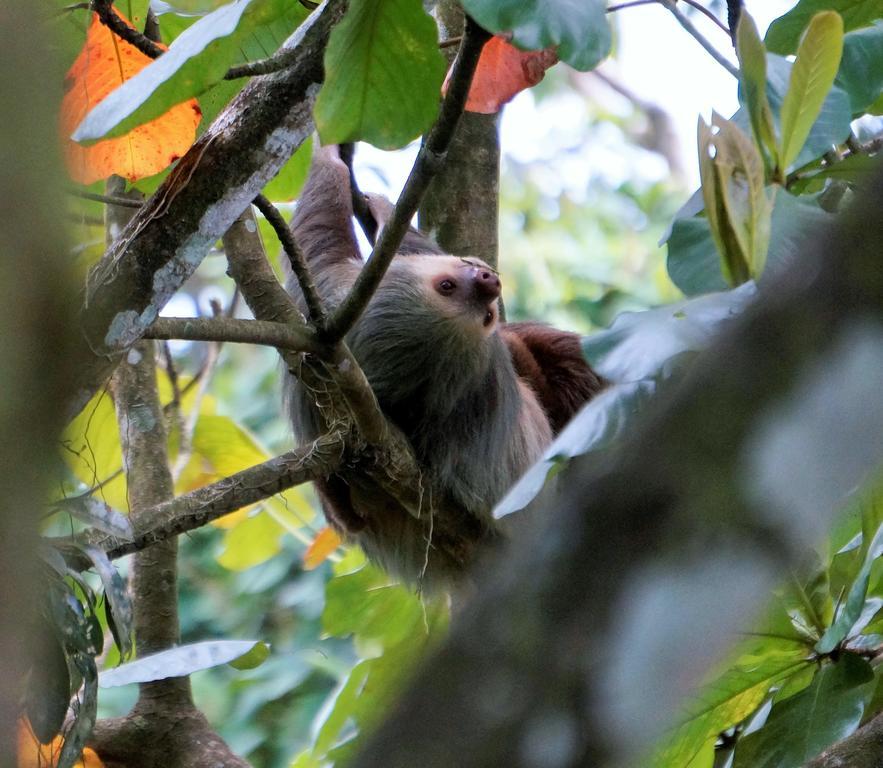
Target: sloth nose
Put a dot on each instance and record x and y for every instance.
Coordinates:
(487, 284)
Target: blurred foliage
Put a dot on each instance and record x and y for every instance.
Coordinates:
(583, 208)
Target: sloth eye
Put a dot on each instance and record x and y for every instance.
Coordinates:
(446, 287)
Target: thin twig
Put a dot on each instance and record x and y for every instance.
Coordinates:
(688, 25)
(429, 160)
(73, 7)
(296, 258)
(123, 202)
(115, 23)
(702, 9)
(361, 209)
(282, 59)
(631, 4)
(193, 510)
(236, 331)
(693, 3)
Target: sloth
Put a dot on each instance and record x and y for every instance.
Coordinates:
(478, 399)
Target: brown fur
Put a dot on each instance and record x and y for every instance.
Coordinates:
(551, 361)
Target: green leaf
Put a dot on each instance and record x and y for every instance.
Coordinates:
(179, 662)
(794, 221)
(366, 603)
(383, 75)
(254, 540)
(116, 594)
(861, 67)
(85, 711)
(855, 169)
(596, 427)
(196, 60)
(747, 203)
(693, 262)
(818, 59)
(639, 345)
(752, 73)
(802, 726)
(851, 610)
(367, 693)
(784, 33)
(287, 184)
(91, 449)
(729, 699)
(259, 653)
(737, 205)
(578, 28)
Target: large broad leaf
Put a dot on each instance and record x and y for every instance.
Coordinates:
(368, 604)
(737, 204)
(796, 220)
(105, 65)
(91, 449)
(729, 699)
(578, 28)
(180, 661)
(693, 263)
(197, 59)
(388, 622)
(641, 345)
(818, 59)
(595, 427)
(254, 540)
(861, 68)
(639, 348)
(784, 33)
(800, 727)
(383, 74)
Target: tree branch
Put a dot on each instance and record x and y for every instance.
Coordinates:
(110, 19)
(197, 508)
(688, 25)
(339, 386)
(295, 258)
(211, 185)
(428, 162)
(266, 333)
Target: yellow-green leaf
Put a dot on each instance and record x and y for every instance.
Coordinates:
(818, 58)
(752, 69)
(91, 448)
(255, 540)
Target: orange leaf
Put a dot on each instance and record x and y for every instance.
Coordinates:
(502, 72)
(104, 64)
(323, 545)
(33, 754)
